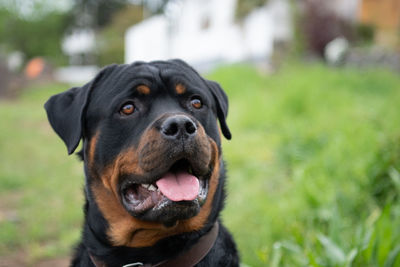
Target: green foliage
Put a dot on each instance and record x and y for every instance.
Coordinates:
(311, 146)
(111, 38)
(365, 33)
(97, 13)
(40, 196)
(37, 36)
(244, 7)
(384, 172)
(298, 46)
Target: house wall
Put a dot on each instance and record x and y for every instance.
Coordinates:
(383, 13)
(385, 16)
(204, 33)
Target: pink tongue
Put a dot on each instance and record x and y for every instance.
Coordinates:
(179, 186)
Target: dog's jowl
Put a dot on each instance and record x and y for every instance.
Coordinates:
(151, 146)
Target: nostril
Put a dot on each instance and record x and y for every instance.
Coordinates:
(190, 127)
(171, 129)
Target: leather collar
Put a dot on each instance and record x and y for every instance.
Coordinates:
(188, 258)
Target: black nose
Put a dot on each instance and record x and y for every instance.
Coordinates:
(178, 126)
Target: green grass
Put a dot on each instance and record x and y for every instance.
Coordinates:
(313, 169)
(313, 166)
(39, 184)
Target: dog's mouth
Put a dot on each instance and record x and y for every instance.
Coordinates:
(180, 190)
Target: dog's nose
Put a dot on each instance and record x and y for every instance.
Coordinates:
(178, 126)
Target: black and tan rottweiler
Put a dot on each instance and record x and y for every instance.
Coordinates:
(155, 176)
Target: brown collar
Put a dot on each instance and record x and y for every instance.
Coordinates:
(189, 258)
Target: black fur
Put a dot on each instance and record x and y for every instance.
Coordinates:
(81, 112)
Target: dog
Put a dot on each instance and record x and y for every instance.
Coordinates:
(155, 177)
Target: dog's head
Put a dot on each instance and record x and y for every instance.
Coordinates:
(151, 146)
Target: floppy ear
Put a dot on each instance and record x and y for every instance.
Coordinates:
(65, 112)
(222, 106)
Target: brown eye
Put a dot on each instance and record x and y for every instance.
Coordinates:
(196, 103)
(127, 109)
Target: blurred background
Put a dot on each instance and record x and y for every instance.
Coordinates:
(314, 89)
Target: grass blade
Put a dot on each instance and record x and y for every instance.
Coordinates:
(392, 257)
(334, 252)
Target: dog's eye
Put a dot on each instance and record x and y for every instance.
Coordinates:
(127, 109)
(196, 102)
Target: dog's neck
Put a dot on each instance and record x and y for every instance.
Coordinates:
(190, 257)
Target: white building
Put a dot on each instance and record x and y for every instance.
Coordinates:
(205, 32)
(78, 46)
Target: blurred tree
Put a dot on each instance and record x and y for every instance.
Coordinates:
(31, 34)
(110, 19)
(111, 37)
(100, 13)
(95, 13)
(37, 27)
(4, 15)
(244, 7)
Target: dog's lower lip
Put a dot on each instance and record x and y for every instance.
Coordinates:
(138, 199)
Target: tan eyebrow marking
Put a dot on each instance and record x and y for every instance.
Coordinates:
(143, 89)
(180, 89)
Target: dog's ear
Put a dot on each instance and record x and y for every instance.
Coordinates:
(65, 111)
(222, 106)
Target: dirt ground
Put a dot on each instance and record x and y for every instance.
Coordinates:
(19, 261)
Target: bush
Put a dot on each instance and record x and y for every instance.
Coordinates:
(365, 33)
(321, 25)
